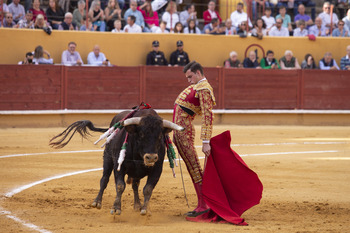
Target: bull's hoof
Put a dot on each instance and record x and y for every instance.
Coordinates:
(96, 204)
(117, 212)
(143, 212)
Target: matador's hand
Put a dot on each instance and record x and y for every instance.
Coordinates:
(206, 149)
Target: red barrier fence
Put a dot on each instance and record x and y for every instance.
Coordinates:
(48, 87)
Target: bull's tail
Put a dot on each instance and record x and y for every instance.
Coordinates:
(80, 127)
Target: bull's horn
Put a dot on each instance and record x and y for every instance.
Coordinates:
(132, 121)
(171, 125)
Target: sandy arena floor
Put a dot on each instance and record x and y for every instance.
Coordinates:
(304, 170)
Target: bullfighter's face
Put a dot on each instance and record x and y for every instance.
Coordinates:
(193, 78)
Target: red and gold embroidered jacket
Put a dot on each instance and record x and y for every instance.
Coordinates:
(199, 98)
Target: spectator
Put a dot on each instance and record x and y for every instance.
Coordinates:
(326, 16)
(27, 22)
(212, 28)
(307, 3)
(156, 57)
(268, 19)
(345, 61)
(97, 15)
(39, 56)
(151, 17)
(303, 16)
(238, 16)
(251, 61)
(188, 14)
(179, 57)
(328, 63)
(259, 29)
(17, 11)
(346, 20)
(318, 29)
(8, 21)
(170, 16)
(90, 28)
(96, 58)
(55, 14)
(278, 30)
(269, 62)
(118, 26)
(79, 13)
(300, 30)
(232, 61)
(67, 23)
(41, 23)
(308, 63)
(243, 30)
(37, 10)
(162, 28)
(139, 20)
(179, 28)
(229, 29)
(27, 60)
(70, 56)
(211, 13)
(340, 31)
(287, 22)
(112, 13)
(192, 28)
(131, 26)
(288, 62)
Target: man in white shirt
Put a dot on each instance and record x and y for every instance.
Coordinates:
(17, 10)
(326, 16)
(239, 16)
(71, 57)
(96, 58)
(278, 30)
(187, 14)
(131, 26)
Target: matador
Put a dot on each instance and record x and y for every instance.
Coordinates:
(196, 99)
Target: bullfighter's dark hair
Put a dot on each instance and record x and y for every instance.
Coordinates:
(193, 66)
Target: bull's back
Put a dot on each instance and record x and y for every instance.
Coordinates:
(139, 113)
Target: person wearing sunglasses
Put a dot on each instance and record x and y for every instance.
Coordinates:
(326, 16)
(8, 22)
(340, 31)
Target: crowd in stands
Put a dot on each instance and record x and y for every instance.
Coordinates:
(139, 16)
(116, 16)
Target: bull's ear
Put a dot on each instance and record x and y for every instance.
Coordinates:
(131, 129)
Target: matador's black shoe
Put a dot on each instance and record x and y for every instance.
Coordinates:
(193, 214)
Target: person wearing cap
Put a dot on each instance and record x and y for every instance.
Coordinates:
(197, 99)
(17, 10)
(27, 22)
(179, 57)
(156, 57)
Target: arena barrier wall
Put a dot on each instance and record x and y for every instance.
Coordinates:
(125, 49)
(55, 87)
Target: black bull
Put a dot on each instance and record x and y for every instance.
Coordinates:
(144, 154)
